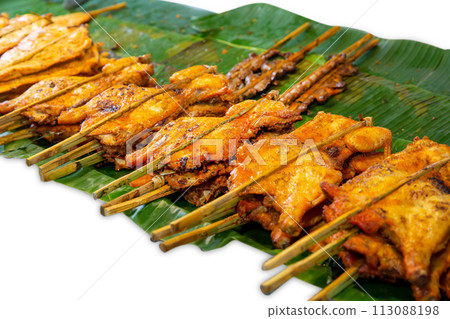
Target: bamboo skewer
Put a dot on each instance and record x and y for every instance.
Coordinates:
(72, 167)
(197, 216)
(166, 231)
(16, 136)
(295, 57)
(70, 156)
(81, 136)
(323, 232)
(146, 198)
(342, 282)
(317, 257)
(113, 7)
(11, 115)
(289, 37)
(158, 163)
(204, 232)
(155, 183)
(15, 122)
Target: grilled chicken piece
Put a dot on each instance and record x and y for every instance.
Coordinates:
(87, 64)
(34, 53)
(120, 131)
(440, 263)
(38, 91)
(57, 133)
(381, 259)
(238, 75)
(267, 114)
(48, 112)
(18, 28)
(416, 218)
(445, 283)
(282, 187)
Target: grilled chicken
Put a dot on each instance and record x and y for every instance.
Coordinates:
(267, 114)
(18, 28)
(281, 188)
(42, 49)
(415, 218)
(89, 63)
(48, 112)
(440, 263)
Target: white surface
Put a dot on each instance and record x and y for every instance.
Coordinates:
(61, 259)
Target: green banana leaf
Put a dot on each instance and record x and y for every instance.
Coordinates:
(402, 84)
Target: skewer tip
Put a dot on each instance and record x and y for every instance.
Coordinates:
(266, 289)
(163, 247)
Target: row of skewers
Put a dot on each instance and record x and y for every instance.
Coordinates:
(322, 186)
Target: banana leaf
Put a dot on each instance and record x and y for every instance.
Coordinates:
(402, 84)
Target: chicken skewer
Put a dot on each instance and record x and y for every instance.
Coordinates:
(142, 171)
(64, 170)
(415, 153)
(413, 268)
(195, 218)
(82, 135)
(253, 173)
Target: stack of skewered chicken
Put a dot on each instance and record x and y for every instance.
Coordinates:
(322, 186)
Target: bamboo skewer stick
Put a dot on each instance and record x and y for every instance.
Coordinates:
(16, 136)
(70, 156)
(80, 137)
(197, 216)
(166, 231)
(15, 122)
(295, 57)
(73, 167)
(204, 232)
(158, 163)
(155, 183)
(113, 7)
(8, 117)
(45, 16)
(317, 257)
(342, 282)
(289, 37)
(323, 232)
(146, 198)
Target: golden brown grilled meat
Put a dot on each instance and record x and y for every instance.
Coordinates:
(282, 187)
(38, 91)
(57, 133)
(18, 28)
(89, 63)
(440, 263)
(35, 52)
(268, 114)
(416, 218)
(50, 111)
(120, 130)
(330, 85)
(382, 260)
(445, 283)
(204, 193)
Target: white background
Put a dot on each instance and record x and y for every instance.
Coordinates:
(61, 259)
